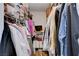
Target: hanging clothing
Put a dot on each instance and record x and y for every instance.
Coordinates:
(77, 7)
(68, 45)
(6, 46)
(46, 40)
(31, 27)
(50, 34)
(29, 38)
(74, 29)
(20, 41)
(27, 26)
(58, 16)
(62, 31)
(1, 20)
(68, 31)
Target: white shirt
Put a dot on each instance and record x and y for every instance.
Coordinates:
(20, 41)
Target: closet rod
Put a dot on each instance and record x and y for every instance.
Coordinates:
(56, 4)
(11, 4)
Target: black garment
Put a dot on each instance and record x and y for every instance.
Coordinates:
(56, 17)
(33, 38)
(6, 45)
(56, 22)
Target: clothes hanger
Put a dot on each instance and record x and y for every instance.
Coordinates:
(9, 18)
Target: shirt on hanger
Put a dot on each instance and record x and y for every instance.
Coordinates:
(62, 31)
(20, 41)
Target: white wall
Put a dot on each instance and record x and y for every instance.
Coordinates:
(39, 18)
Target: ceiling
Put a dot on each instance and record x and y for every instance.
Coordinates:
(37, 6)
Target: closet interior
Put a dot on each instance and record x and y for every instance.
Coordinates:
(39, 29)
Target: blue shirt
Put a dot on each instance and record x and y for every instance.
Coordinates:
(62, 32)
